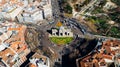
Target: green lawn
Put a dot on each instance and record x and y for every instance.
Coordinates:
(61, 40)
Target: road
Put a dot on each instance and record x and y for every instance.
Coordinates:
(55, 11)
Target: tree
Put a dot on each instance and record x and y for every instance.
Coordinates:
(68, 9)
(116, 2)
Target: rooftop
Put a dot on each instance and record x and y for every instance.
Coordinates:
(39, 61)
(15, 43)
(102, 57)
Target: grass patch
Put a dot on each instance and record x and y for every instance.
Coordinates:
(61, 40)
(114, 32)
(92, 26)
(68, 15)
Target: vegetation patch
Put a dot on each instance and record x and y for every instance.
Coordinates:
(103, 27)
(68, 9)
(116, 2)
(61, 40)
(114, 32)
(115, 16)
(68, 15)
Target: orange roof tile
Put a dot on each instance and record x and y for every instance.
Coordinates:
(32, 65)
(4, 53)
(15, 41)
(82, 64)
(10, 29)
(107, 56)
(86, 58)
(95, 60)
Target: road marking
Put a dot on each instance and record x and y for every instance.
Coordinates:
(51, 50)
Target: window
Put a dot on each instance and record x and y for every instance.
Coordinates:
(68, 33)
(65, 33)
(53, 33)
(61, 34)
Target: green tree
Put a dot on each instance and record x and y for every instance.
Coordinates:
(68, 9)
(116, 2)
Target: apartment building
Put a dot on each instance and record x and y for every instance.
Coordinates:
(26, 11)
(9, 9)
(36, 12)
(31, 14)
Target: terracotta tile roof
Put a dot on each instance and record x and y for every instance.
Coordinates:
(82, 64)
(17, 45)
(95, 61)
(32, 65)
(6, 52)
(36, 55)
(107, 56)
(86, 58)
(99, 57)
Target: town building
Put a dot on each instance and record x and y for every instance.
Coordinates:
(107, 55)
(30, 14)
(117, 60)
(9, 9)
(36, 12)
(26, 11)
(39, 61)
(13, 47)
